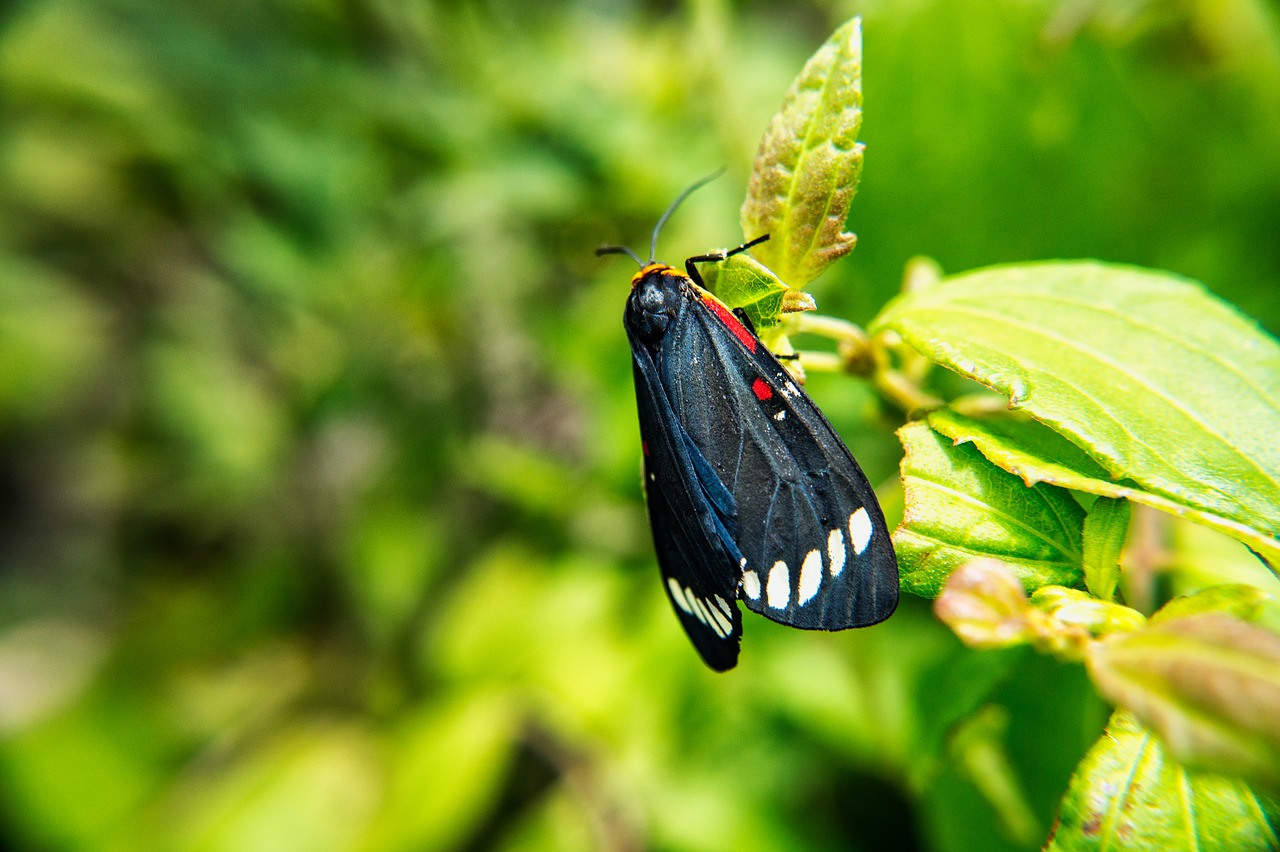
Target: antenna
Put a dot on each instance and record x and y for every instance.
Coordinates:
(653, 243)
(698, 184)
(620, 250)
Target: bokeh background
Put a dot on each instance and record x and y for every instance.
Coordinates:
(320, 516)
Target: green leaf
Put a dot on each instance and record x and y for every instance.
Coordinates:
(743, 282)
(984, 604)
(960, 506)
(1127, 794)
(1074, 608)
(1105, 529)
(1244, 602)
(1165, 386)
(808, 165)
(1020, 445)
(1038, 454)
(1209, 684)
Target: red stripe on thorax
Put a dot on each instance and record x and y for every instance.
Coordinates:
(731, 322)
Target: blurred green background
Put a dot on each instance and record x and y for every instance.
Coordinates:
(320, 517)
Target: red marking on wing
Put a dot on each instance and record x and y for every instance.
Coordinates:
(731, 322)
(644, 448)
(761, 389)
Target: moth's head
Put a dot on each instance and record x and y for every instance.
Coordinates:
(655, 300)
(652, 268)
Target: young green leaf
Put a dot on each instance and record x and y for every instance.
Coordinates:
(808, 164)
(960, 506)
(1161, 383)
(1127, 793)
(1244, 602)
(743, 282)
(1038, 454)
(1209, 684)
(1105, 529)
(1074, 608)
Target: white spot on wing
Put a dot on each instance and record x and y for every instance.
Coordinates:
(860, 530)
(723, 604)
(810, 576)
(781, 415)
(698, 609)
(751, 584)
(743, 563)
(725, 625)
(779, 589)
(835, 551)
(677, 594)
(712, 621)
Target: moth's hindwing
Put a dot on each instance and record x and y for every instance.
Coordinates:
(727, 428)
(691, 531)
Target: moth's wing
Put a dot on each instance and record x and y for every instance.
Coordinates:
(817, 549)
(691, 513)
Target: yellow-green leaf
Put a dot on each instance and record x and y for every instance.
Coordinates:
(807, 168)
(1038, 454)
(1105, 529)
(1072, 608)
(1128, 794)
(1162, 384)
(1236, 599)
(743, 282)
(960, 506)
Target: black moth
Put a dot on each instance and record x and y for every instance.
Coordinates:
(751, 493)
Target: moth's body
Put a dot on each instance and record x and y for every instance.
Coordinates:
(751, 493)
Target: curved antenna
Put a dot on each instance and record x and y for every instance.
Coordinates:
(698, 184)
(620, 250)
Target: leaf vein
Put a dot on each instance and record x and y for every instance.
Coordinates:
(1117, 802)
(1102, 359)
(1187, 795)
(1063, 548)
(1230, 366)
(1018, 561)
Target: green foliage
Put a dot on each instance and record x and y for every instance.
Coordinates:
(809, 163)
(744, 282)
(1128, 794)
(960, 506)
(1140, 388)
(1106, 528)
(1136, 387)
(320, 523)
(1038, 454)
(1160, 383)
